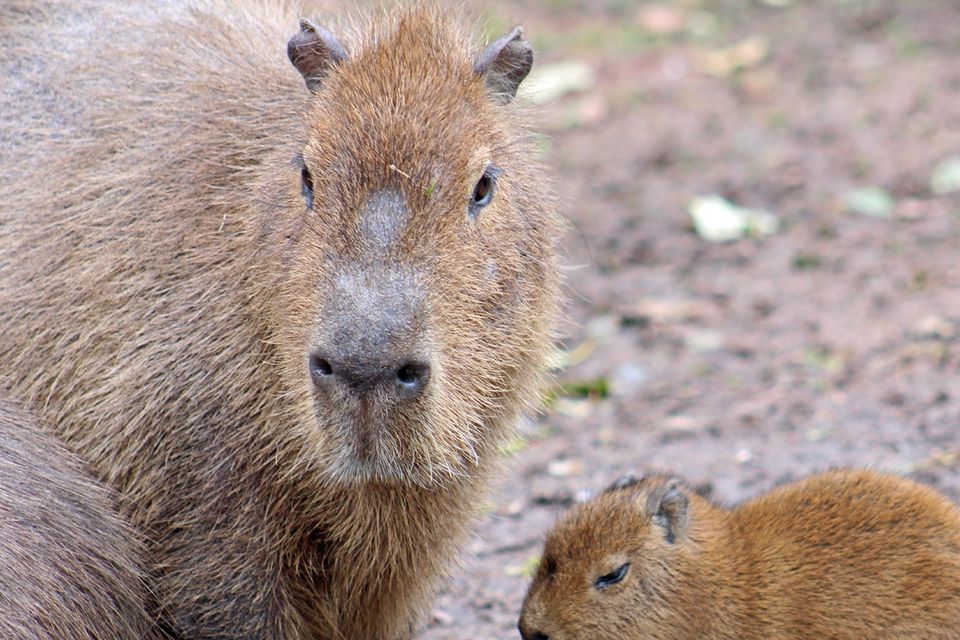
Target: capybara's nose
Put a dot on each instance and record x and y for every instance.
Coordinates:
(372, 335)
(532, 635)
(404, 378)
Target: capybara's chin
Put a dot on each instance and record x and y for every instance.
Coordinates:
(375, 440)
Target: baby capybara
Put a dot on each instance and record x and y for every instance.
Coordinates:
(846, 555)
(287, 295)
(70, 567)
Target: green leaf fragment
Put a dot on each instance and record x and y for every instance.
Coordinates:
(946, 177)
(869, 201)
(526, 570)
(716, 219)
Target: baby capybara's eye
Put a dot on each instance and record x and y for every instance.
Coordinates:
(307, 186)
(483, 192)
(613, 577)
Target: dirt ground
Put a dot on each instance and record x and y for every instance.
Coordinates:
(835, 341)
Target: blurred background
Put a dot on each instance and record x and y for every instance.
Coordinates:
(764, 260)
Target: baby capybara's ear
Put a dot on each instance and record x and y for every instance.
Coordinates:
(667, 504)
(313, 51)
(623, 482)
(504, 64)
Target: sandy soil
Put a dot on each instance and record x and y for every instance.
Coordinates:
(836, 341)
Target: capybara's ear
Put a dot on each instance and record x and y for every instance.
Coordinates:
(667, 505)
(313, 51)
(504, 64)
(623, 482)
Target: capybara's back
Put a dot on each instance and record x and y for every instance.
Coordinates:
(70, 567)
(286, 286)
(855, 554)
(845, 555)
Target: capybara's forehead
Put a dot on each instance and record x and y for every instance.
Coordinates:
(415, 73)
(410, 88)
(610, 523)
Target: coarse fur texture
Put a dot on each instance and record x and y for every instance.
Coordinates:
(845, 555)
(165, 283)
(70, 567)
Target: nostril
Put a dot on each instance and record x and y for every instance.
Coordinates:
(320, 368)
(407, 374)
(412, 377)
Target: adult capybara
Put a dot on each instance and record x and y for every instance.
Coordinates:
(70, 567)
(289, 311)
(846, 555)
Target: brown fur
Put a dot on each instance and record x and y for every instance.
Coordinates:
(846, 555)
(70, 567)
(162, 285)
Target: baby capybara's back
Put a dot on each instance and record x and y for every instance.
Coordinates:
(70, 567)
(845, 555)
(854, 554)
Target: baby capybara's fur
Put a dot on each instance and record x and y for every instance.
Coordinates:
(287, 291)
(70, 566)
(846, 555)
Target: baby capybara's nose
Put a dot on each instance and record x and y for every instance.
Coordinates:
(532, 635)
(404, 378)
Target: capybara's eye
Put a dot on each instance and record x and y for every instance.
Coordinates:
(307, 186)
(483, 192)
(613, 577)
